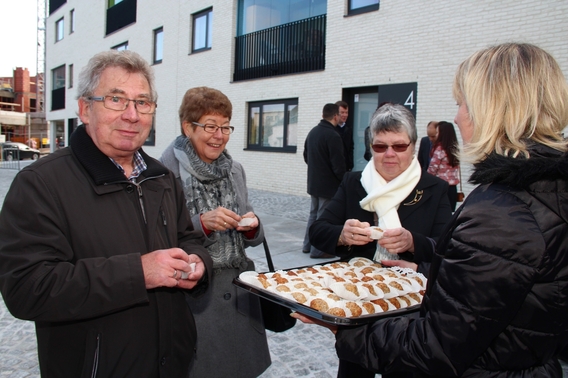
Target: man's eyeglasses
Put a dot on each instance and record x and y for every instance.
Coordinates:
(121, 103)
(210, 128)
(380, 148)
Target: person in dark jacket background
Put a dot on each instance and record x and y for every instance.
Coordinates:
(346, 133)
(426, 143)
(496, 303)
(323, 153)
(105, 250)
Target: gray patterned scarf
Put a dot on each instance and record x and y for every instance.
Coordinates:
(206, 187)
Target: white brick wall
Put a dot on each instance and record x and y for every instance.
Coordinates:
(405, 41)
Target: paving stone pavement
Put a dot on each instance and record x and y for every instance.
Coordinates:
(303, 351)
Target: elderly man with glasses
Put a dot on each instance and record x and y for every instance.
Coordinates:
(105, 253)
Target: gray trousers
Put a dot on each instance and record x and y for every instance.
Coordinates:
(316, 210)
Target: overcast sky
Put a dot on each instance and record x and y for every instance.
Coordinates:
(19, 35)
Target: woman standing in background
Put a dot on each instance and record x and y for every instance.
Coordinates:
(444, 162)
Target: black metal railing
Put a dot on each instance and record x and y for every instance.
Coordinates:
(290, 48)
(10, 158)
(120, 15)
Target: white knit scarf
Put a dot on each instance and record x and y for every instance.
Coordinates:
(384, 198)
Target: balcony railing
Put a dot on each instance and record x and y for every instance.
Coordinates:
(285, 49)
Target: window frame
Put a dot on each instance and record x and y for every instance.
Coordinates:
(120, 46)
(208, 14)
(365, 9)
(71, 21)
(58, 88)
(54, 80)
(70, 75)
(59, 34)
(151, 140)
(288, 104)
(158, 45)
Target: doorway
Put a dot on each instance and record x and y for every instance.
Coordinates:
(363, 101)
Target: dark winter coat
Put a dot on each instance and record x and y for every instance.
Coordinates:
(425, 215)
(424, 153)
(72, 231)
(323, 153)
(497, 298)
(346, 134)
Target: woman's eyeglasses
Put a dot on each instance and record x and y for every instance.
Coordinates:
(380, 148)
(213, 128)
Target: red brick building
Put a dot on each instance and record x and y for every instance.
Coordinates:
(18, 94)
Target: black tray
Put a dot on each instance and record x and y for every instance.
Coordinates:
(305, 310)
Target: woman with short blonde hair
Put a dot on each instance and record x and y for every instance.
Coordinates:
(515, 93)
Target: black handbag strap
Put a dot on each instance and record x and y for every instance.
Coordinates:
(268, 257)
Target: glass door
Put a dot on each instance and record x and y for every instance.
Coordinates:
(364, 105)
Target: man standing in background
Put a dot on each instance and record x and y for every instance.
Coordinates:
(323, 153)
(426, 144)
(346, 134)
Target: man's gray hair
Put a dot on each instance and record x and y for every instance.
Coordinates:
(128, 60)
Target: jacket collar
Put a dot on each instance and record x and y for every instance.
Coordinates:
(544, 164)
(101, 169)
(326, 123)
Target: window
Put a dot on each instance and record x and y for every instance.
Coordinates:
(55, 5)
(120, 14)
(362, 6)
(273, 125)
(151, 140)
(202, 30)
(158, 45)
(70, 76)
(58, 77)
(255, 15)
(58, 88)
(72, 21)
(59, 26)
(122, 46)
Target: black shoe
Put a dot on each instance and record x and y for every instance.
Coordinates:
(323, 256)
(304, 251)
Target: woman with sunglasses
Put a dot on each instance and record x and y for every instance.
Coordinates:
(393, 193)
(229, 322)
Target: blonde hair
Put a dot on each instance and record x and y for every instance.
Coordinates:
(515, 93)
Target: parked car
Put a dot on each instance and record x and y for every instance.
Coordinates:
(14, 151)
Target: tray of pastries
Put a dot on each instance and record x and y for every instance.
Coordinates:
(352, 292)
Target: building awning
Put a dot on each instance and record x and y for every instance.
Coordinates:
(12, 118)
